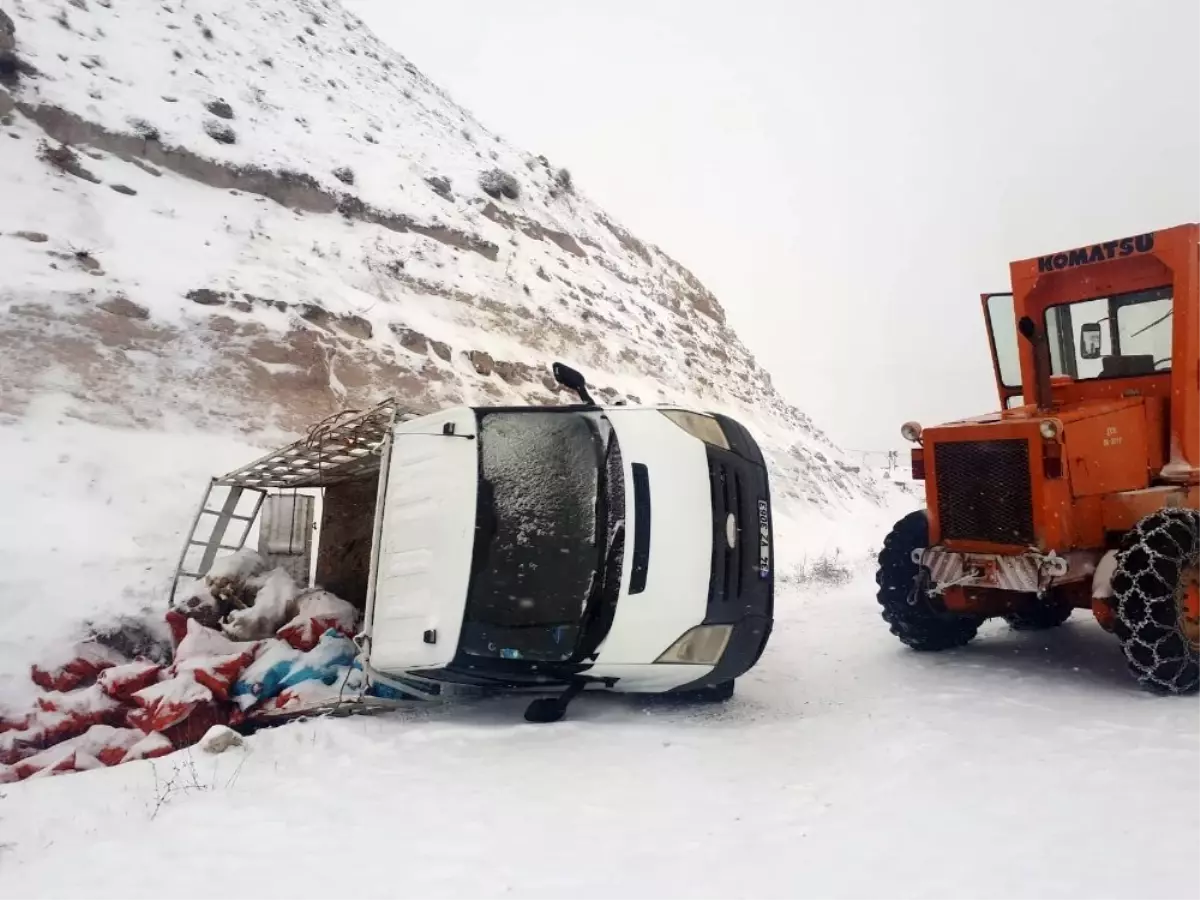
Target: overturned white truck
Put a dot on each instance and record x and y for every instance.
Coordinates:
(542, 549)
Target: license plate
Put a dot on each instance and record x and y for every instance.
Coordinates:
(764, 539)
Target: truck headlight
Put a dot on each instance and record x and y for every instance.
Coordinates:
(1048, 429)
(702, 646)
(702, 427)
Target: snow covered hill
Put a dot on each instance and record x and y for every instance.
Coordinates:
(246, 215)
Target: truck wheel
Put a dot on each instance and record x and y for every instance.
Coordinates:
(1039, 615)
(915, 615)
(1156, 598)
(713, 693)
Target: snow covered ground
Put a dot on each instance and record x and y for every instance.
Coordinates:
(1024, 765)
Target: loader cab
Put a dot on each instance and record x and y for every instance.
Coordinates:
(1118, 336)
(1117, 320)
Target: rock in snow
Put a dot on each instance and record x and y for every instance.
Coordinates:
(220, 738)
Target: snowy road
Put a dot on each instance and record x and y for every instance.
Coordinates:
(1025, 765)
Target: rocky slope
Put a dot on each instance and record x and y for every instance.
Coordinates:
(243, 215)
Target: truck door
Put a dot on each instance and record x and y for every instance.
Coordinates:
(1001, 319)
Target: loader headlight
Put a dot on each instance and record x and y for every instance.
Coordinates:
(1048, 429)
(702, 427)
(702, 646)
(911, 431)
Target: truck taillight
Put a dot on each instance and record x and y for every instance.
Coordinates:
(1052, 459)
(918, 464)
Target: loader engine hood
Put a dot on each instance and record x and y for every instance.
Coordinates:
(1007, 480)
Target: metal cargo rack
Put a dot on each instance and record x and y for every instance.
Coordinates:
(344, 447)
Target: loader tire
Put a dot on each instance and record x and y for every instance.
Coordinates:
(1156, 569)
(918, 619)
(1039, 615)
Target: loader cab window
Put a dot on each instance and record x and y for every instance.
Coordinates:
(1123, 336)
(1002, 323)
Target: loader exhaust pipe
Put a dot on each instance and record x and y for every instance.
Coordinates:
(1041, 360)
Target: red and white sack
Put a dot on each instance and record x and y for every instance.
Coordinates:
(53, 761)
(168, 703)
(191, 729)
(13, 722)
(78, 665)
(107, 744)
(85, 702)
(104, 744)
(122, 682)
(57, 718)
(217, 673)
(316, 612)
(151, 746)
(200, 640)
(212, 659)
(20, 743)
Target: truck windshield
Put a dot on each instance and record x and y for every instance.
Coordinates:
(1129, 334)
(548, 481)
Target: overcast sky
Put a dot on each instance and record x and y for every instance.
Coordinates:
(847, 177)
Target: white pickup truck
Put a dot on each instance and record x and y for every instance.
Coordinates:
(549, 549)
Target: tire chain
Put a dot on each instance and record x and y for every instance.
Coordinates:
(1145, 586)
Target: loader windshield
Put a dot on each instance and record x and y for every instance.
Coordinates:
(1112, 337)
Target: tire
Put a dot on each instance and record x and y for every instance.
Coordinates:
(1155, 559)
(545, 710)
(923, 625)
(717, 693)
(1039, 615)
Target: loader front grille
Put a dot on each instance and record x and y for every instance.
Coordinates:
(984, 491)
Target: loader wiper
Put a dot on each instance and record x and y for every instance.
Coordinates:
(1170, 312)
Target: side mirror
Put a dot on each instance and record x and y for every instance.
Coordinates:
(1089, 341)
(573, 380)
(1027, 328)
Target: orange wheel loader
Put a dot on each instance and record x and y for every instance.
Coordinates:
(1082, 492)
